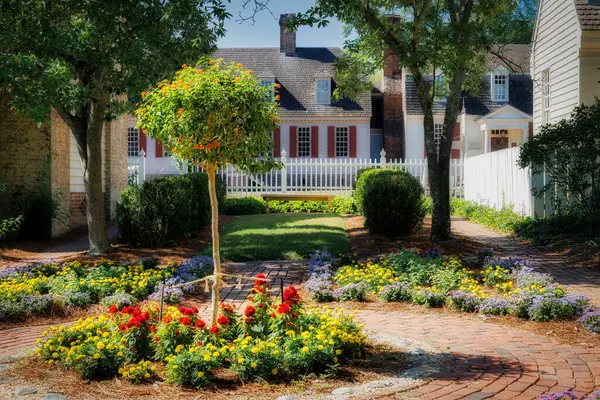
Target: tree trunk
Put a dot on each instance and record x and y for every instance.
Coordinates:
(214, 205)
(439, 185)
(89, 143)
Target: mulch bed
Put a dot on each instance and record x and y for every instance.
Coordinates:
(381, 361)
(366, 245)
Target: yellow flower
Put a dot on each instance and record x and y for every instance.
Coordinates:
(97, 356)
(274, 371)
(200, 374)
(253, 365)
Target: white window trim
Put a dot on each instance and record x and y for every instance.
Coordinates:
(308, 129)
(545, 93)
(499, 72)
(130, 130)
(347, 128)
(268, 80)
(328, 99)
(438, 133)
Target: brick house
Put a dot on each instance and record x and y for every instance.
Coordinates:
(312, 126)
(47, 153)
(498, 116)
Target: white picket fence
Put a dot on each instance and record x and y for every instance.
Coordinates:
(136, 168)
(330, 175)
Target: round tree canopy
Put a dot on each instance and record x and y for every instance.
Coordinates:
(214, 113)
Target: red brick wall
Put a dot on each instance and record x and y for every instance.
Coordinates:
(60, 171)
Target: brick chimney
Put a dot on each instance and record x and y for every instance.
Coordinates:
(393, 98)
(287, 37)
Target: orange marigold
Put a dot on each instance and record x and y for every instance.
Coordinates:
(239, 65)
(184, 66)
(211, 62)
(250, 71)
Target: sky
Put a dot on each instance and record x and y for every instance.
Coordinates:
(265, 31)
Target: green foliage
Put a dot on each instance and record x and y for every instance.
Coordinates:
(253, 205)
(569, 154)
(281, 236)
(504, 220)
(213, 114)
(9, 225)
(244, 206)
(164, 209)
(391, 201)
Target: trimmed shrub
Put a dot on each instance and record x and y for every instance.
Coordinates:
(244, 206)
(165, 209)
(391, 202)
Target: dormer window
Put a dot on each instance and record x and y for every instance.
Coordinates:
(323, 90)
(269, 82)
(500, 85)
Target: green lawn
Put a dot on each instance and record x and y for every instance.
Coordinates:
(281, 236)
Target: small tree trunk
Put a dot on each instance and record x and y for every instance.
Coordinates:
(214, 205)
(89, 144)
(439, 185)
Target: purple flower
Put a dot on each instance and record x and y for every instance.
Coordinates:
(321, 262)
(464, 301)
(397, 291)
(510, 263)
(320, 287)
(495, 306)
(195, 268)
(591, 320)
(430, 253)
(525, 276)
(351, 292)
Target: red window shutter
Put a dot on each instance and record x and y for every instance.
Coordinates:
(531, 129)
(293, 142)
(159, 148)
(331, 141)
(143, 141)
(455, 153)
(314, 141)
(352, 144)
(456, 131)
(277, 142)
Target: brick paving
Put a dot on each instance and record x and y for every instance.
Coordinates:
(488, 360)
(581, 279)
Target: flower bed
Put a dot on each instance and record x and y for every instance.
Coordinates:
(268, 341)
(502, 287)
(50, 287)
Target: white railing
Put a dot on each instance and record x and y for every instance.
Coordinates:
(136, 168)
(330, 175)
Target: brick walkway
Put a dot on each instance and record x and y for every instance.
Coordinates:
(490, 361)
(581, 280)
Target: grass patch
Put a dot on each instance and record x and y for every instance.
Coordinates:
(281, 236)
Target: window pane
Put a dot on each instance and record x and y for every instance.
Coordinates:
(133, 142)
(341, 142)
(500, 87)
(268, 82)
(438, 132)
(323, 91)
(303, 141)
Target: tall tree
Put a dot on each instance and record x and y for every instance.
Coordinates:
(81, 57)
(451, 38)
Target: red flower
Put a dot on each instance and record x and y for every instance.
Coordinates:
(248, 320)
(272, 315)
(185, 320)
(122, 327)
(214, 329)
(113, 309)
(181, 309)
(194, 310)
(227, 308)
(156, 339)
(223, 320)
(200, 324)
(260, 280)
(290, 294)
(127, 310)
(284, 308)
(177, 332)
(167, 319)
(153, 328)
(250, 311)
(251, 298)
(199, 343)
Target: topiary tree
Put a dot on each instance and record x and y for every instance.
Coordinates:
(211, 115)
(391, 201)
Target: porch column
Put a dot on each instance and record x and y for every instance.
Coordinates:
(526, 133)
(486, 141)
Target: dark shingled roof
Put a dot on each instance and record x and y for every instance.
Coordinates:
(296, 75)
(589, 14)
(515, 57)
(520, 94)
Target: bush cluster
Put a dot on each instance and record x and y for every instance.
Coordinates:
(504, 220)
(269, 340)
(391, 202)
(165, 209)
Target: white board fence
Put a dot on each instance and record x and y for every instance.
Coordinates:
(494, 179)
(329, 175)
